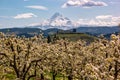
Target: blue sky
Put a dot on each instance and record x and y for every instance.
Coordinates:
(20, 13)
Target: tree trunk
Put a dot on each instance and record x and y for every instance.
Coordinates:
(116, 70)
(54, 76)
(42, 77)
(70, 77)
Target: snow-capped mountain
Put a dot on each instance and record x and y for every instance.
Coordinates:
(58, 21)
(61, 22)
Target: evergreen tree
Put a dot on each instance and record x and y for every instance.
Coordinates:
(49, 39)
(74, 30)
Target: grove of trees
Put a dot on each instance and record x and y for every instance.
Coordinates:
(36, 59)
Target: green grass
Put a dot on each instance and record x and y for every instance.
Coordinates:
(10, 76)
(76, 36)
(47, 76)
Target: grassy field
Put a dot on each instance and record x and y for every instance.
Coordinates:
(75, 36)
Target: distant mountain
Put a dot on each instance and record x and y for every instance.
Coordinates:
(59, 21)
(29, 32)
(56, 21)
(98, 30)
(20, 30)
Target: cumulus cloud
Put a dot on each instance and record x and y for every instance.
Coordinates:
(108, 17)
(102, 20)
(83, 3)
(24, 16)
(104, 17)
(37, 7)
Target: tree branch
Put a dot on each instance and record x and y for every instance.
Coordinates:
(14, 65)
(34, 72)
(30, 66)
(3, 54)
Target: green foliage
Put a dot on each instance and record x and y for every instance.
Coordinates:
(10, 76)
(76, 37)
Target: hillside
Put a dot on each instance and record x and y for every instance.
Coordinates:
(29, 32)
(98, 30)
(74, 37)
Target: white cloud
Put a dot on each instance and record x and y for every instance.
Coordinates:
(108, 18)
(104, 17)
(116, 19)
(83, 3)
(24, 16)
(37, 7)
(102, 20)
